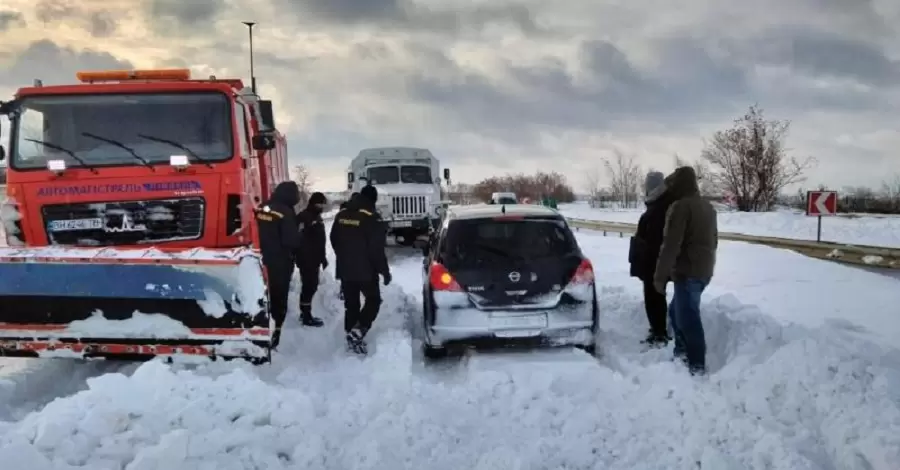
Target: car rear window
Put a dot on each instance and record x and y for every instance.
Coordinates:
(527, 238)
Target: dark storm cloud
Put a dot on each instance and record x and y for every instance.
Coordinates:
(102, 25)
(823, 53)
(184, 17)
(47, 61)
(405, 15)
(11, 19)
(689, 81)
(52, 11)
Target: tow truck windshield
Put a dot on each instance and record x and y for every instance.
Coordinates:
(91, 131)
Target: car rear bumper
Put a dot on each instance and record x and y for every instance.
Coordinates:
(559, 327)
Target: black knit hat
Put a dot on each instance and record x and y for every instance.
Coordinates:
(370, 193)
(317, 198)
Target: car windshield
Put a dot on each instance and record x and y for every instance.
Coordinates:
(415, 175)
(477, 240)
(121, 129)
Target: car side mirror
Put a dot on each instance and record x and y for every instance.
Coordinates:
(263, 142)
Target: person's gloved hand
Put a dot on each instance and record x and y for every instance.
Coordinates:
(387, 278)
(660, 287)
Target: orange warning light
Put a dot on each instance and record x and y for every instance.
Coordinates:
(123, 75)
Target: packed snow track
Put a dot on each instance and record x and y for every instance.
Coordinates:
(780, 396)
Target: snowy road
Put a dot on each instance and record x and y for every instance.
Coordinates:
(800, 380)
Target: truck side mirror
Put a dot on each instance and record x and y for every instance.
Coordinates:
(266, 115)
(350, 177)
(447, 174)
(263, 142)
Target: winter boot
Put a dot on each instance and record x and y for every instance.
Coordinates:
(307, 318)
(656, 340)
(355, 342)
(276, 338)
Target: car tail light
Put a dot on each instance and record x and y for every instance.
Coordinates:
(584, 274)
(441, 279)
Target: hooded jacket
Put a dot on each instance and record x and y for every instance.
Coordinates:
(691, 233)
(646, 243)
(311, 253)
(278, 235)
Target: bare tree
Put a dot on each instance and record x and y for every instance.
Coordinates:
(625, 178)
(304, 180)
(750, 161)
(593, 183)
(890, 188)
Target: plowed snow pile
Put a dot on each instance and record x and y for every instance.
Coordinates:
(779, 397)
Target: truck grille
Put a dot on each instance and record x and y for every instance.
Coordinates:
(124, 223)
(409, 205)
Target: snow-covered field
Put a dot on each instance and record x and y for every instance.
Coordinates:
(805, 374)
(862, 230)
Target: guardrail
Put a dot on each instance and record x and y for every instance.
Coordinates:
(875, 256)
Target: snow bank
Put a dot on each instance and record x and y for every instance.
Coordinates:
(862, 230)
(786, 285)
(778, 399)
(780, 396)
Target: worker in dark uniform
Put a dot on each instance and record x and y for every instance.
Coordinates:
(279, 239)
(359, 239)
(311, 255)
(346, 203)
(354, 199)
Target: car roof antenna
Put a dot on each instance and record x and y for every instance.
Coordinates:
(503, 209)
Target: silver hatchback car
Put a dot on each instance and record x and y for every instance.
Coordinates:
(504, 274)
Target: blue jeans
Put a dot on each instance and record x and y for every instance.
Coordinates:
(684, 316)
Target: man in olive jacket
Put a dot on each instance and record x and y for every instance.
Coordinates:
(688, 257)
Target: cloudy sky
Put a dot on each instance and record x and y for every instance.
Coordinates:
(509, 85)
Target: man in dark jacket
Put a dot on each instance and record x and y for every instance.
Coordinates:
(359, 239)
(279, 239)
(688, 257)
(645, 246)
(353, 197)
(311, 255)
(352, 202)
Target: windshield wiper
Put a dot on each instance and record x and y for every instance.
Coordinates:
(177, 145)
(121, 146)
(63, 149)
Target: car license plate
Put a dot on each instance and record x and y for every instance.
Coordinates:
(75, 224)
(520, 322)
(403, 223)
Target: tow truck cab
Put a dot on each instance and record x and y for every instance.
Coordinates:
(143, 157)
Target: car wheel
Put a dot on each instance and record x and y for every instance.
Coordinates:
(433, 352)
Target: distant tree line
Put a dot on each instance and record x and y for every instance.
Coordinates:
(534, 187)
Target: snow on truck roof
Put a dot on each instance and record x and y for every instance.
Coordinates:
(483, 211)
